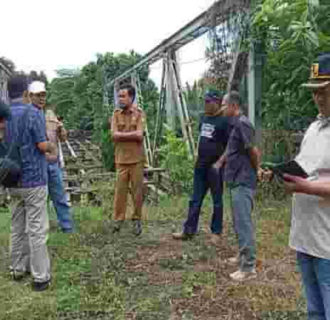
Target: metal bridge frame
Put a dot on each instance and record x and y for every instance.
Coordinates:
(5, 73)
(171, 91)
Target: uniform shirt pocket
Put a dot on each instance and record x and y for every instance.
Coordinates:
(133, 124)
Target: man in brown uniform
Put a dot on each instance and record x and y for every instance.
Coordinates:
(127, 134)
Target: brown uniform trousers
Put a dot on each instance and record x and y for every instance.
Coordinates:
(129, 159)
(129, 174)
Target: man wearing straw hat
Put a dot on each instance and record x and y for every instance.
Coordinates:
(310, 222)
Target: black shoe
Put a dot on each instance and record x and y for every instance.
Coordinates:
(137, 227)
(40, 286)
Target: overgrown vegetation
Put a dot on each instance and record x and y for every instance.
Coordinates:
(100, 275)
(291, 35)
(173, 155)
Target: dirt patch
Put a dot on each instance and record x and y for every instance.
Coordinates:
(277, 286)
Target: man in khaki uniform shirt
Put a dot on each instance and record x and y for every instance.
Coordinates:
(127, 134)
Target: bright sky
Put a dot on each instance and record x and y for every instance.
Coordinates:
(49, 35)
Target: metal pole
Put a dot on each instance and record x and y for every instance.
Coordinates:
(139, 100)
(183, 109)
(178, 101)
(160, 112)
(251, 87)
(170, 94)
(255, 87)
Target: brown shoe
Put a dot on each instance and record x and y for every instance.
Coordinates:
(182, 236)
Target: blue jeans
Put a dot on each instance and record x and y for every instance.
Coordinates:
(242, 205)
(59, 198)
(205, 179)
(316, 279)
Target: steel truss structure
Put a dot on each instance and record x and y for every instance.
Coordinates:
(4, 76)
(172, 100)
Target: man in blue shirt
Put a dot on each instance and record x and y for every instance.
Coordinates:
(26, 127)
(214, 133)
(242, 160)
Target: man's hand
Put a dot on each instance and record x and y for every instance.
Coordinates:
(264, 175)
(47, 147)
(61, 132)
(294, 184)
(220, 163)
(51, 147)
(128, 136)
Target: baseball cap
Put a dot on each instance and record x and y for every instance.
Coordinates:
(212, 95)
(37, 87)
(320, 73)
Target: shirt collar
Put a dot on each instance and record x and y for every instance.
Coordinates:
(126, 110)
(323, 121)
(35, 106)
(16, 101)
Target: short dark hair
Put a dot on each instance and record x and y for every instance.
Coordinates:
(17, 84)
(234, 97)
(130, 89)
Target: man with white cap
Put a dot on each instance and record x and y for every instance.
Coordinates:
(26, 127)
(37, 92)
(54, 132)
(310, 222)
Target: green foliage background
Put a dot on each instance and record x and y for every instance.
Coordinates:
(291, 33)
(83, 101)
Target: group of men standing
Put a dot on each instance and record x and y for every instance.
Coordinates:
(36, 136)
(227, 152)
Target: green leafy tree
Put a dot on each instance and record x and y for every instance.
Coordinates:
(292, 33)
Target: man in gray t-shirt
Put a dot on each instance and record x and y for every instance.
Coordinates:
(241, 164)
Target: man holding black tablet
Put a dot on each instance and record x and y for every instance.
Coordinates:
(310, 225)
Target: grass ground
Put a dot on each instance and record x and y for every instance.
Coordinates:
(98, 275)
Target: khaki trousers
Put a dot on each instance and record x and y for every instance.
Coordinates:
(129, 175)
(29, 232)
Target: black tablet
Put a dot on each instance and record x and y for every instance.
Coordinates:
(292, 167)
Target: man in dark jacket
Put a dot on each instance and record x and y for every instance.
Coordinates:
(214, 134)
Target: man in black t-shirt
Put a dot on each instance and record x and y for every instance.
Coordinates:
(214, 134)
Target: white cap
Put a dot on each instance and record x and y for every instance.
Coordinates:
(37, 87)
